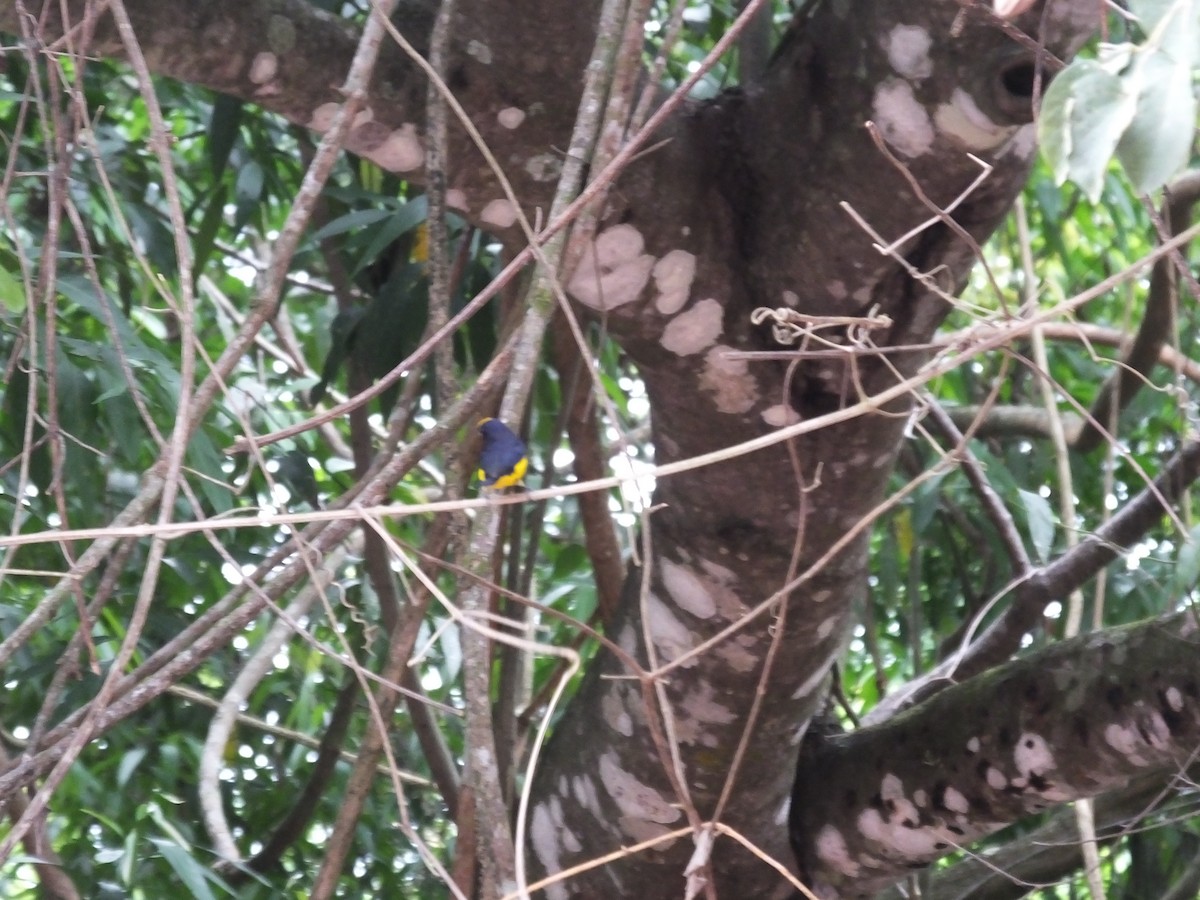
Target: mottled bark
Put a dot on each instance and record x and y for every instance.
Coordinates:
(1052, 852)
(1074, 720)
(748, 192)
(289, 57)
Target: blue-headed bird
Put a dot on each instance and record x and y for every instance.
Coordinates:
(503, 460)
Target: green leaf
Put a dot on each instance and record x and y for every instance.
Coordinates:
(1187, 566)
(1084, 114)
(569, 559)
(12, 291)
(190, 872)
(357, 219)
(247, 192)
(341, 339)
(404, 220)
(206, 234)
(203, 456)
(1040, 519)
(129, 762)
(296, 474)
(1158, 142)
(223, 131)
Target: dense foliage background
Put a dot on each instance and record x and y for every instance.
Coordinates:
(105, 338)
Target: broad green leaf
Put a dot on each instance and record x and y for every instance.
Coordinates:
(190, 872)
(12, 291)
(404, 221)
(568, 560)
(1084, 114)
(1040, 519)
(1159, 139)
(1158, 142)
(358, 219)
(129, 762)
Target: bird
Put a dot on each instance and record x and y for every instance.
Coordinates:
(503, 460)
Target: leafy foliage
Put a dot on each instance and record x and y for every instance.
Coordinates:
(94, 379)
(1136, 101)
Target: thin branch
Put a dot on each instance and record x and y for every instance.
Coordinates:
(220, 729)
(993, 506)
(1157, 324)
(1053, 582)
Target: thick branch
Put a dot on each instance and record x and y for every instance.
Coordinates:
(289, 57)
(1046, 855)
(1073, 720)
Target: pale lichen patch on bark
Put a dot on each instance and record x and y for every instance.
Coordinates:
(510, 117)
(1174, 698)
(901, 118)
(963, 121)
(832, 850)
(894, 836)
(722, 585)
(813, 681)
(616, 715)
(583, 789)
(781, 815)
(780, 415)
(701, 705)
(955, 802)
(544, 838)
(480, 51)
(263, 67)
(696, 715)
(687, 590)
(400, 151)
(281, 34)
(322, 117)
(907, 49)
(673, 275)
(645, 813)
(670, 636)
(499, 213)
(736, 657)
(694, 330)
(1022, 144)
(995, 779)
(544, 167)
(729, 380)
(1125, 740)
(1033, 756)
(613, 269)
